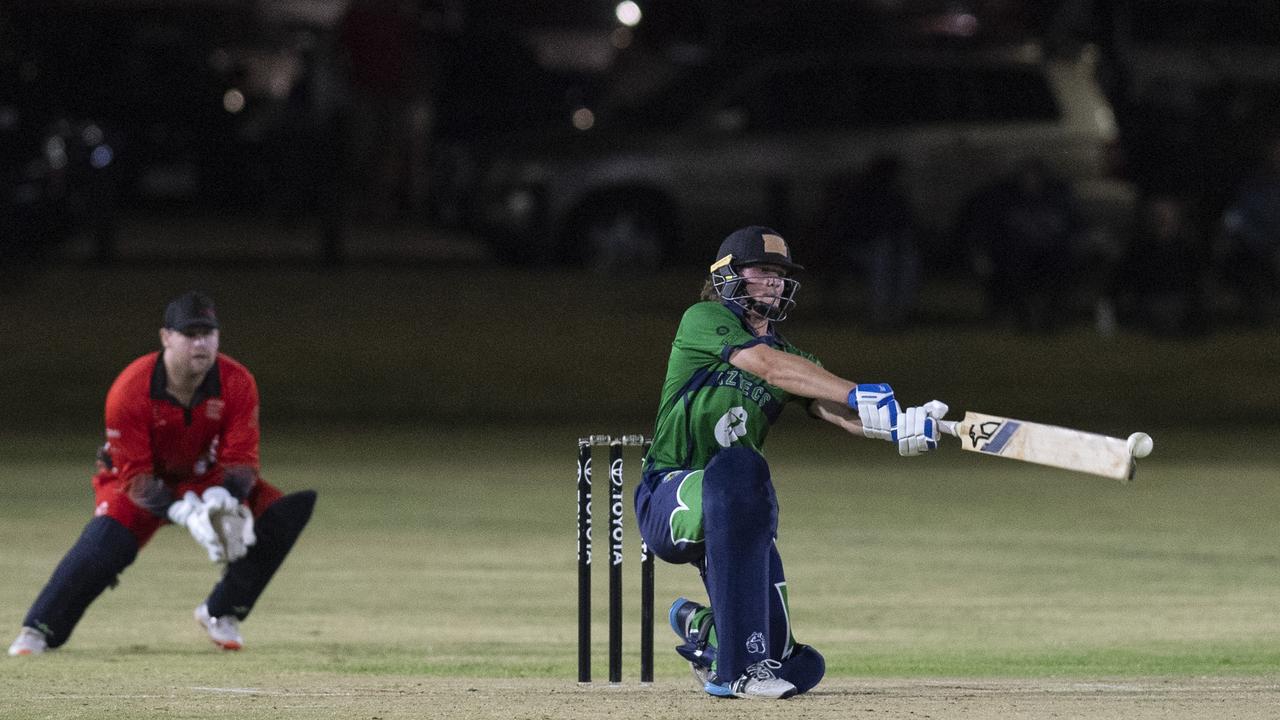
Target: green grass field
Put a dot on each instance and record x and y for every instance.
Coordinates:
(438, 580)
(438, 556)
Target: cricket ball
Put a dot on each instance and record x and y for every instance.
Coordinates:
(1140, 444)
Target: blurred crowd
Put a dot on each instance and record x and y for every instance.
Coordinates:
(350, 138)
(1042, 265)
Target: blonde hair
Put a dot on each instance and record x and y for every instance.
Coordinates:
(709, 291)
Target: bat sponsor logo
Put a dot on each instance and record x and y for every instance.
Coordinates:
(983, 431)
(1043, 444)
(992, 436)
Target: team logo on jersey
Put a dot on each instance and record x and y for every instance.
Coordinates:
(731, 426)
(213, 409)
(755, 644)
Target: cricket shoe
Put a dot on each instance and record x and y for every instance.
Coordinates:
(696, 648)
(29, 642)
(223, 631)
(758, 682)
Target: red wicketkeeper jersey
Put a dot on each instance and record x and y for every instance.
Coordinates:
(149, 432)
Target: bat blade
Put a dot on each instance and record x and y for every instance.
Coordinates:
(1042, 444)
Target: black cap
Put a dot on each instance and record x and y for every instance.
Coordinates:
(194, 309)
(755, 245)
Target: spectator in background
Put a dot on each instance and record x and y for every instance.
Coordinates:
(1162, 137)
(870, 231)
(1248, 250)
(381, 45)
(1160, 284)
(308, 173)
(1023, 231)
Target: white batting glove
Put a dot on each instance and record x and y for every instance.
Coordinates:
(877, 409)
(237, 532)
(191, 513)
(918, 428)
(936, 409)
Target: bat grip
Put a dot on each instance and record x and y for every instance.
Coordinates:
(949, 427)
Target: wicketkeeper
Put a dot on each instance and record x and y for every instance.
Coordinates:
(707, 497)
(181, 447)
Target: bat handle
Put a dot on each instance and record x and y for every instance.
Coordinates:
(949, 427)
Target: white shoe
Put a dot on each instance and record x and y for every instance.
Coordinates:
(701, 674)
(759, 681)
(223, 631)
(29, 642)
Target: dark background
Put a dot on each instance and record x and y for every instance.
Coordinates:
(243, 107)
(239, 105)
(155, 146)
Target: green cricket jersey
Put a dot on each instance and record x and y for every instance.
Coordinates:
(707, 403)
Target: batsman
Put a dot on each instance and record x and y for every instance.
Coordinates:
(182, 448)
(707, 496)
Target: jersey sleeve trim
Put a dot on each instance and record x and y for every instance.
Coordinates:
(728, 350)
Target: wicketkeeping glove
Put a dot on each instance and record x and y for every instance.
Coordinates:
(191, 513)
(877, 409)
(232, 521)
(218, 500)
(237, 532)
(918, 428)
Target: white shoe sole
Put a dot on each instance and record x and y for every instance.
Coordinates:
(224, 644)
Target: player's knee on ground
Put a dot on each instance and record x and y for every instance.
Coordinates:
(804, 668)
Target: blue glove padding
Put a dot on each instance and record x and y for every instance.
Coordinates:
(918, 428)
(877, 409)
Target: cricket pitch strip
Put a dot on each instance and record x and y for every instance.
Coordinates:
(837, 699)
(909, 699)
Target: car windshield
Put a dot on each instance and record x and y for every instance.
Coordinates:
(821, 95)
(662, 104)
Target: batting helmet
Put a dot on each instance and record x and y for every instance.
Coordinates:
(754, 245)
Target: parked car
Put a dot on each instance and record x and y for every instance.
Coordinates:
(644, 176)
(1199, 43)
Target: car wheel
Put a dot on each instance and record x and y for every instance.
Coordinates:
(622, 235)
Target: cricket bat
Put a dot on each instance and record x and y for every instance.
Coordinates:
(1047, 445)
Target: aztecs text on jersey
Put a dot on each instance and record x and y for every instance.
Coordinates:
(708, 404)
